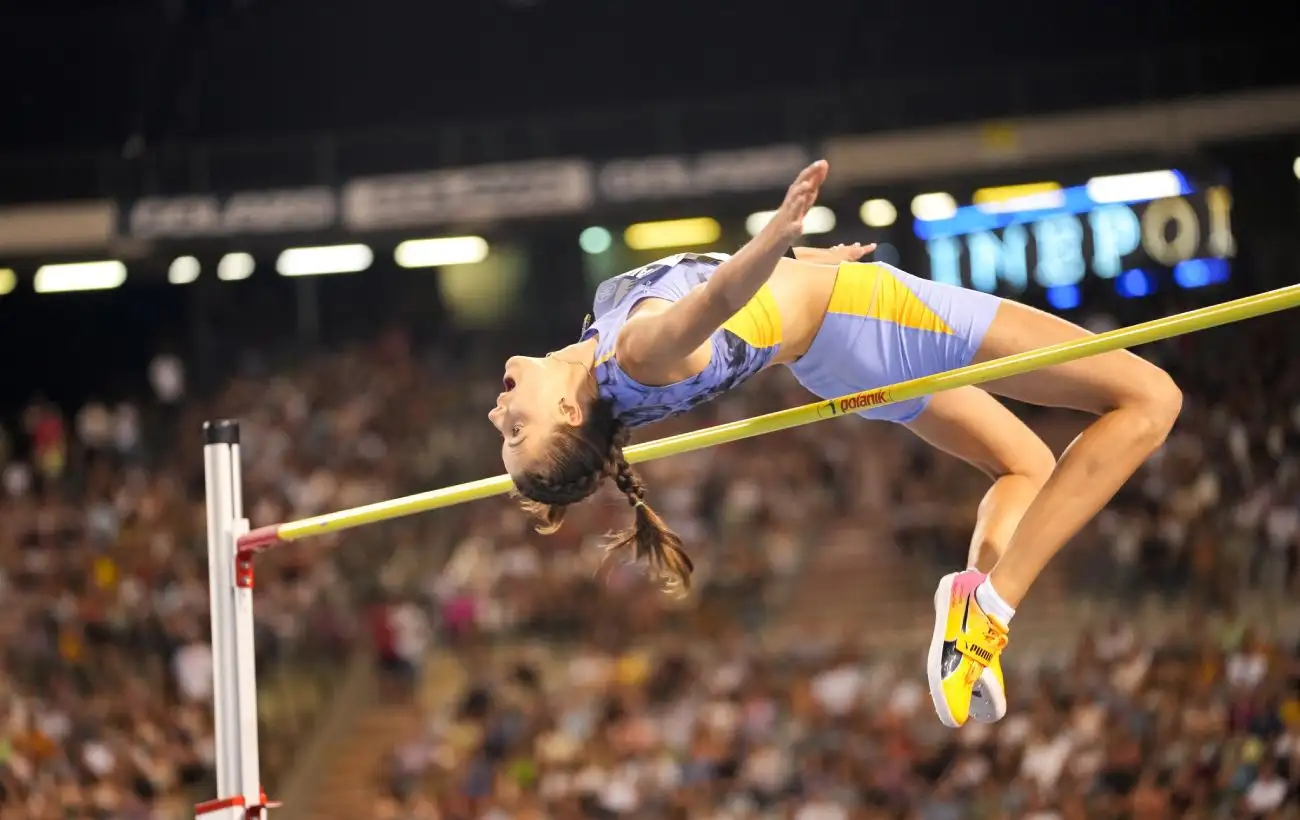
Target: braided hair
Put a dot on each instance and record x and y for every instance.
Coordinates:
(581, 459)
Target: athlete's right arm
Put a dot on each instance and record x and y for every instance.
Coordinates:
(834, 255)
(655, 342)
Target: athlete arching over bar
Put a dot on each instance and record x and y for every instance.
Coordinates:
(688, 328)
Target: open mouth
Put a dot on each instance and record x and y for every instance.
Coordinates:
(508, 383)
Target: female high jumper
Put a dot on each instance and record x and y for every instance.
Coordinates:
(681, 331)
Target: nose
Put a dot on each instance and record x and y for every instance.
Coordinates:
(494, 414)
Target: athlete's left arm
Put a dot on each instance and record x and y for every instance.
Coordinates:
(655, 342)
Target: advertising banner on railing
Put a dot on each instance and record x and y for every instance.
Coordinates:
(488, 193)
(56, 227)
(717, 173)
(466, 196)
(243, 213)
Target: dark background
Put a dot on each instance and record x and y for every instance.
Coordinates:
(122, 99)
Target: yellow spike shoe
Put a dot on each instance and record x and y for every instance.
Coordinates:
(964, 653)
(989, 697)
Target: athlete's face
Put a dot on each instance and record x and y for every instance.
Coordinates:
(539, 395)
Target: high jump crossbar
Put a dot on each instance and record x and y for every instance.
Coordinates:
(232, 546)
(1156, 330)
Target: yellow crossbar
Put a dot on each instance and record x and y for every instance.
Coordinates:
(1177, 325)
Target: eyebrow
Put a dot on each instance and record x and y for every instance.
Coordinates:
(515, 444)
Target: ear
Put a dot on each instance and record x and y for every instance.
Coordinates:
(571, 412)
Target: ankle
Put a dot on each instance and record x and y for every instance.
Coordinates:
(984, 556)
(993, 603)
(1002, 577)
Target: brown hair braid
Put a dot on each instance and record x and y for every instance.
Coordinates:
(583, 457)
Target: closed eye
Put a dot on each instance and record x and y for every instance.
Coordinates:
(514, 430)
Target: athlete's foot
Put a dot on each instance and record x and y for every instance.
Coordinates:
(965, 652)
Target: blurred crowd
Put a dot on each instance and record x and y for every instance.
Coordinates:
(105, 664)
(1203, 723)
(641, 706)
(720, 722)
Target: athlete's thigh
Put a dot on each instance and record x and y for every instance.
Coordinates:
(974, 426)
(1096, 384)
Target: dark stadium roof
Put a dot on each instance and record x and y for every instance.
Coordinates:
(91, 73)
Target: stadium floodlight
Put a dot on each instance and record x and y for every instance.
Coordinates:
(1029, 196)
(235, 266)
(440, 252)
(324, 260)
(878, 213)
(933, 206)
(818, 220)
(1137, 187)
(183, 270)
(77, 276)
(595, 240)
(672, 233)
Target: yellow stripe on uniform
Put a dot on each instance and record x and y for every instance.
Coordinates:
(854, 289)
(758, 323)
(868, 290)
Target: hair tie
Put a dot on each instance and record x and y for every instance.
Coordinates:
(638, 503)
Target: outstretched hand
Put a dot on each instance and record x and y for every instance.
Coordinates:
(799, 199)
(834, 255)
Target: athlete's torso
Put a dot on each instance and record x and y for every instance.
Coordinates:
(841, 331)
(759, 335)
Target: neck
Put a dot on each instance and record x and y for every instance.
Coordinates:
(582, 357)
(582, 354)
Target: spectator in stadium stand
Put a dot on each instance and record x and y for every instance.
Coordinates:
(1147, 729)
(401, 635)
(517, 594)
(105, 669)
(44, 425)
(167, 378)
(95, 429)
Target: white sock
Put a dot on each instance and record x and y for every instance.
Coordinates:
(991, 602)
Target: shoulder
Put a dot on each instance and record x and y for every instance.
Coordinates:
(640, 350)
(634, 345)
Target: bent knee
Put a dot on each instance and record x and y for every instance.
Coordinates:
(1035, 462)
(1158, 401)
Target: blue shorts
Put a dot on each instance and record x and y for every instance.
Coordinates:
(884, 326)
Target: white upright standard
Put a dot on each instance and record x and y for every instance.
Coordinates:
(234, 680)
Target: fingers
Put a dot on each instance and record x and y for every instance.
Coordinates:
(800, 198)
(814, 174)
(854, 252)
(810, 179)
